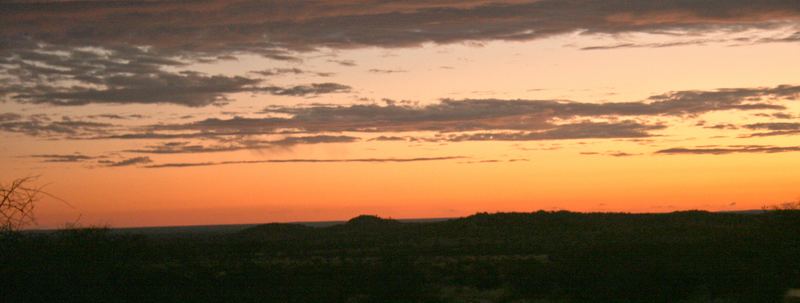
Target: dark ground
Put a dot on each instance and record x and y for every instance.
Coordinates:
(509, 257)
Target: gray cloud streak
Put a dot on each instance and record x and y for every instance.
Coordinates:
(729, 150)
(126, 162)
(774, 129)
(241, 144)
(585, 130)
(44, 126)
(63, 158)
(362, 160)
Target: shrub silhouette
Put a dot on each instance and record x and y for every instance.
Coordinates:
(18, 200)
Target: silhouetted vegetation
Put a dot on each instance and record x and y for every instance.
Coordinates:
(691, 256)
(17, 200)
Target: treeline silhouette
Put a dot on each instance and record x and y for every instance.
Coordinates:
(691, 256)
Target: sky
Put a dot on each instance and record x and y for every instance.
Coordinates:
(153, 113)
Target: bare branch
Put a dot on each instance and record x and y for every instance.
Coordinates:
(18, 201)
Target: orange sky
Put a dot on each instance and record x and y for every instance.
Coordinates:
(340, 114)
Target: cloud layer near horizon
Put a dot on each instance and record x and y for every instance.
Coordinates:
(458, 120)
(493, 115)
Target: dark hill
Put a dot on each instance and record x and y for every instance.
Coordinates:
(691, 256)
(371, 221)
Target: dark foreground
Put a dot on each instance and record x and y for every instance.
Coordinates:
(512, 257)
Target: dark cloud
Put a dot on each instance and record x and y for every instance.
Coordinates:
(63, 158)
(6, 117)
(182, 89)
(392, 138)
(609, 153)
(782, 116)
(343, 62)
(649, 45)
(221, 27)
(493, 161)
(116, 116)
(695, 102)
(480, 161)
(721, 150)
(124, 75)
(79, 52)
(774, 129)
(279, 71)
(721, 126)
(44, 126)
(795, 37)
(386, 71)
(160, 136)
(792, 37)
(187, 148)
(290, 71)
(492, 118)
(364, 160)
(295, 140)
(126, 162)
(485, 114)
(241, 144)
(775, 126)
(305, 90)
(585, 130)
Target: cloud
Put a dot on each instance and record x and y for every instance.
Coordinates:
(485, 114)
(6, 117)
(192, 90)
(46, 74)
(44, 126)
(782, 116)
(279, 71)
(313, 140)
(220, 27)
(609, 153)
(583, 130)
(774, 129)
(646, 45)
(493, 161)
(77, 52)
(116, 116)
(695, 102)
(285, 71)
(727, 37)
(240, 144)
(775, 126)
(492, 119)
(63, 158)
(721, 126)
(126, 162)
(363, 160)
(722, 150)
(304, 90)
(186, 148)
(386, 71)
(343, 62)
(392, 138)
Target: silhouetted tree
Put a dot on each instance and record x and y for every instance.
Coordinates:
(18, 200)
